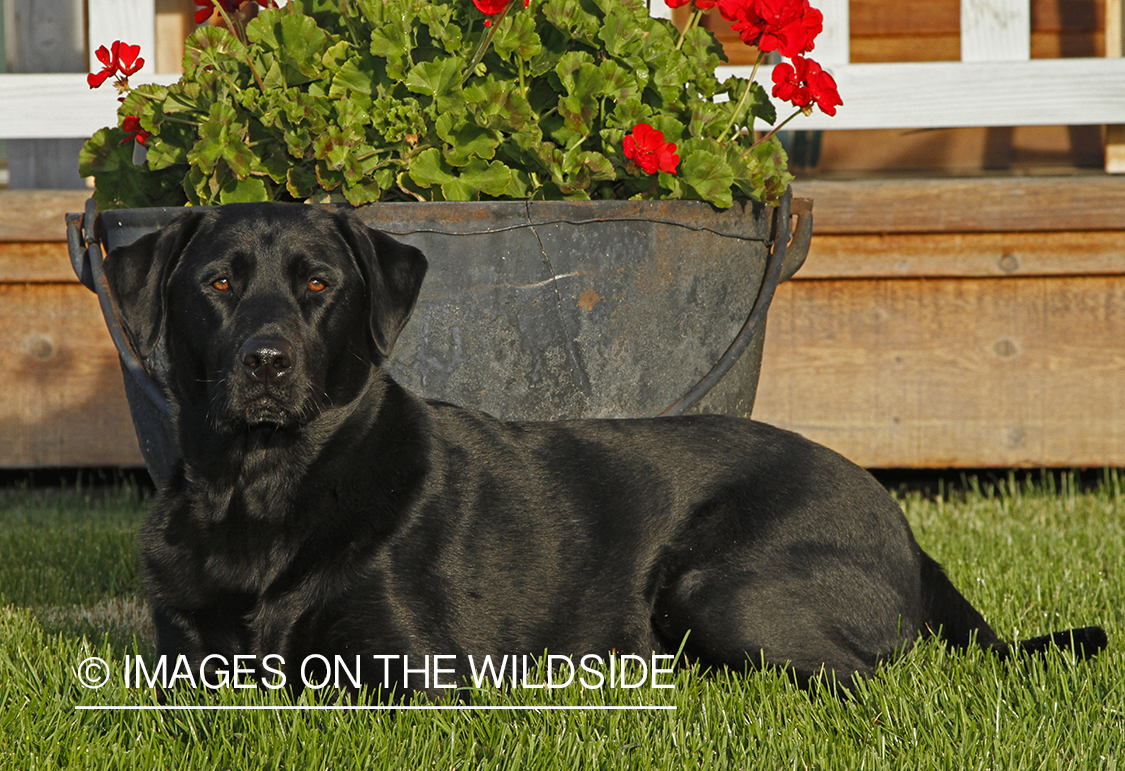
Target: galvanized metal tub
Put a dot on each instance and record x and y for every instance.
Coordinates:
(541, 310)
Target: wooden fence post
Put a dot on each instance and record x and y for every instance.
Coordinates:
(1114, 47)
(46, 36)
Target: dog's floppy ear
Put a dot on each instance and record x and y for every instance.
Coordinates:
(138, 274)
(393, 273)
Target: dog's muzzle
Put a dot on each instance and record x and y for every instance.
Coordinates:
(266, 387)
(267, 359)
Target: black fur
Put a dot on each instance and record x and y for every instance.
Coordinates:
(320, 508)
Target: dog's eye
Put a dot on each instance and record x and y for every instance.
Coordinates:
(222, 284)
(316, 285)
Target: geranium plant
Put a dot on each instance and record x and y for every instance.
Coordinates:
(374, 100)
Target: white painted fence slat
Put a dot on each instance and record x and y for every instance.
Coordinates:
(833, 46)
(995, 30)
(1037, 92)
(58, 105)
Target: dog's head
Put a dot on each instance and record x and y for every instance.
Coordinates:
(268, 312)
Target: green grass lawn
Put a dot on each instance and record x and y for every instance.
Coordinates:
(1032, 558)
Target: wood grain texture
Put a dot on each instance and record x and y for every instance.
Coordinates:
(63, 403)
(38, 215)
(995, 30)
(964, 255)
(888, 17)
(972, 205)
(938, 47)
(963, 151)
(1115, 48)
(173, 24)
(950, 372)
(35, 263)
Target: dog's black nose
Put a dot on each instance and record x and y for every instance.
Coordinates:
(267, 359)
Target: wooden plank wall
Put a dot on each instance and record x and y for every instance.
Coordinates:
(956, 323)
(61, 398)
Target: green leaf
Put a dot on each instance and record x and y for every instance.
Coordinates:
(336, 55)
(476, 178)
(186, 96)
(572, 18)
(162, 154)
(301, 181)
(583, 82)
(436, 78)
(709, 175)
(222, 138)
(629, 113)
(212, 47)
(352, 113)
(393, 44)
(399, 121)
(620, 84)
(668, 85)
(466, 140)
(248, 190)
(517, 35)
(337, 149)
(297, 42)
(361, 192)
(621, 33)
(440, 22)
(428, 170)
(364, 74)
(499, 105)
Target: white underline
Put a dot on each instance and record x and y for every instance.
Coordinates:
(353, 708)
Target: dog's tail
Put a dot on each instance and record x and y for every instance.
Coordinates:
(948, 614)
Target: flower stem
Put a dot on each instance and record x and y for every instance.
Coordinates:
(692, 21)
(778, 128)
(485, 41)
(742, 101)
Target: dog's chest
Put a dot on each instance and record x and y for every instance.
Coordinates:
(222, 540)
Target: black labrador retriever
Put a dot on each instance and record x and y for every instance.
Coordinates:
(321, 511)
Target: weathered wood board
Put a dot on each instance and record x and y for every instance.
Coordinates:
(951, 372)
(956, 323)
(62, 401)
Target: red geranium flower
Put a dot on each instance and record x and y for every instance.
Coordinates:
(120, 58)
(494, 7)
(803, 83)
(109, 60)
(128, 60)
(133, 130)
(646, 147)
(787, 26)
(491, 8)
(701, 5)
